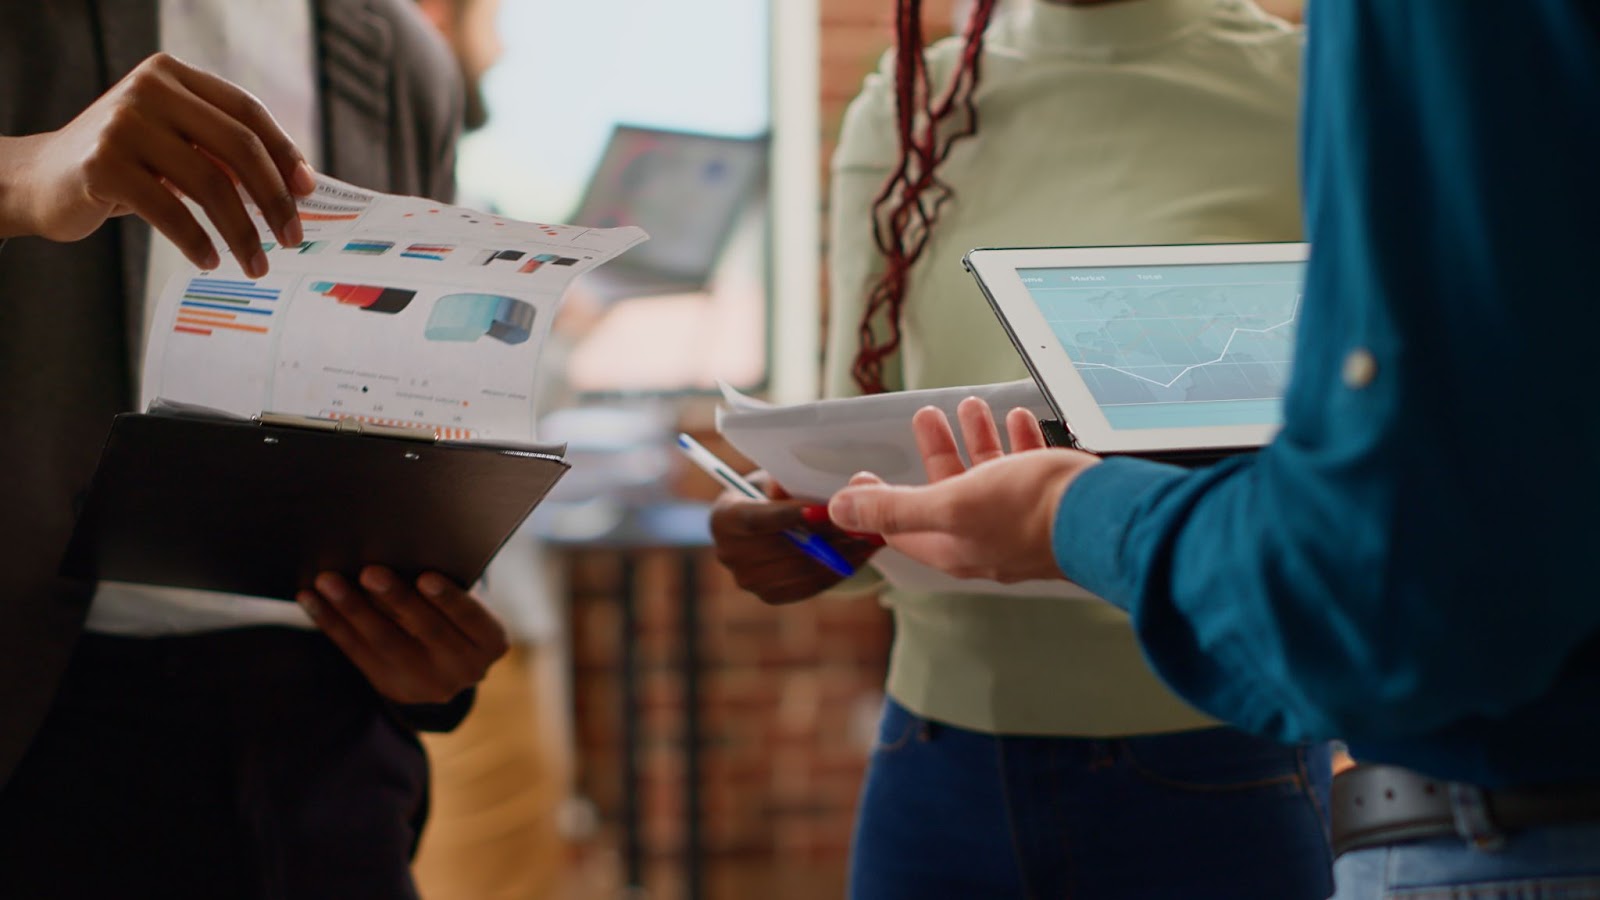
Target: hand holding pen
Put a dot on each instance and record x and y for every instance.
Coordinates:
(778, 548)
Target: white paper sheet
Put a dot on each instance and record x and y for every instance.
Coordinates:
(812, 449)
(396, 311)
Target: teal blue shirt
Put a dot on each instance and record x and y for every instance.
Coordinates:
(1414, 564)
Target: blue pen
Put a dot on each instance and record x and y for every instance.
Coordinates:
(812, 545)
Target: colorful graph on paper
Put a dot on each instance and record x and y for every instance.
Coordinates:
(370, 297)
(368, 248)
(430, 252)
(210, 305)
(541, 260)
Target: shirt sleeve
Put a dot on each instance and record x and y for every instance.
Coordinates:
(1409, 552)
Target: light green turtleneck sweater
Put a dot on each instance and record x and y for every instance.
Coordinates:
(1134, 122)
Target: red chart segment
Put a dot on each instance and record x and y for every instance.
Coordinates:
(369, 297)
(541, 260)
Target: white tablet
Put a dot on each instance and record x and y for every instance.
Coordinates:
(1154, 350)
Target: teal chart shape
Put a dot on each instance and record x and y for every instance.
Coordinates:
(468, 317)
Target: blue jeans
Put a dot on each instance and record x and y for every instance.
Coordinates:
(1555, 863)
(947, 812)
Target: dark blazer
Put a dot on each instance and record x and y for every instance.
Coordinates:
(70, 314)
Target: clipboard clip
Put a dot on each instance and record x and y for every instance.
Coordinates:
(346, 426)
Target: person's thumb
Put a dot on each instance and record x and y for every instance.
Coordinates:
(881, 509)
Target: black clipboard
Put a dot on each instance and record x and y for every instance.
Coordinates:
(245, 507)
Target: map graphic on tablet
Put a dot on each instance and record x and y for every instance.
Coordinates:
(1177, 346)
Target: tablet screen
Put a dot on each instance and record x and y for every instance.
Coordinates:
(1176, 346)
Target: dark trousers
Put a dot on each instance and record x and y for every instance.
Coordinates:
(1213, 814)
(243, 764)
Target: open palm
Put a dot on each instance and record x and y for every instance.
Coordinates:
(991, 520)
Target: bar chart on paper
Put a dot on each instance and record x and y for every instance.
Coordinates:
(210, 305)
(429, 252)
(1178, 346)
(368, 297)
(395, 311)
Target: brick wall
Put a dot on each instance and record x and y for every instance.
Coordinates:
(784, 695)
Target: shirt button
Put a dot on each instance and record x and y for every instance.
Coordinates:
(1359, 369)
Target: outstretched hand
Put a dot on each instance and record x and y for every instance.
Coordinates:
(991, 521)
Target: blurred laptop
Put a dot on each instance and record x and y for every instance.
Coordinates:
(688, 190)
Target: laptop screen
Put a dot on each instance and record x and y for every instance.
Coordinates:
(688, 190)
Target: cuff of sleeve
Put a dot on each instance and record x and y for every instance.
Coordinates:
(866, 580)
(1093, 517)
(436, 717)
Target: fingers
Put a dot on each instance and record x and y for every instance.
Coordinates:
(736, 517)
(752, 544)
(229, 136)
(242, 151)
(470, 617)
(209, 185)
(250, 112)
(785, 574)
(1023, 431)
(817, 520)
(419, 619)
(978, 431)
(941, 456)
(885, 510)
(180, 128)
(773, 569)
(153, 202)
(414, 646)
(771, 488)
(369, 639)
(788, 578)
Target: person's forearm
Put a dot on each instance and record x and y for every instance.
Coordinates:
(16, 207)
(1302, 603)
(1232, 619)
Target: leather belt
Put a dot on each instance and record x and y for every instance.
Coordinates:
(1374, 806)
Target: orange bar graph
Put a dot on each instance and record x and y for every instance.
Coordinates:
(210, 323)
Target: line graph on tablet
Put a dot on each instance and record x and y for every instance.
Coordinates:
(1155, 333)
(1175, 346)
